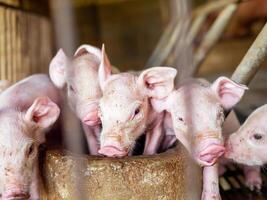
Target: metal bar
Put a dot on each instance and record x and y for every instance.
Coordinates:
(171, 35)
(154, 58)
(253, 59)
(213, 35)
(196, 25)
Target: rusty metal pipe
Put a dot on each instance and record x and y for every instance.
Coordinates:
(253, 59)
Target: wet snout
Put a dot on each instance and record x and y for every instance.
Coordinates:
(89, 113)
(209, 147)
(15, 192)
(113, 147)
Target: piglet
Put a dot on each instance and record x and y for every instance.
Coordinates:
(197, 112)
(252, 174)
(27, 111)
(126, 111)
(248, 144)
(77, 77)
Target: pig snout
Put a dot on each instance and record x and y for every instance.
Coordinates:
(89, 113)
(91, 118)
(113, 149)
(209, 150)
(15, 193)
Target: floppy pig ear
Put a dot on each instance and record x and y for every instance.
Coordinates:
(158, 82)
(57, 69)
(43, 112)
(88, 49)
(104, 70)
(228, 91)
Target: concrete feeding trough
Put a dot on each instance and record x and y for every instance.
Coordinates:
(167, 176)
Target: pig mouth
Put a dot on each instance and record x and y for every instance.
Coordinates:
(15, 195)
(209, 155)
(112, 151)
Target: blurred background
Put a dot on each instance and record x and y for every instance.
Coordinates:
(131, 31)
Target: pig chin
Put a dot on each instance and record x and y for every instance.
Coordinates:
(240, 156)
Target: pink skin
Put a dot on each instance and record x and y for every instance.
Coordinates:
(203, 138)
(252, 173)
(207, 103)
(125, 108)
(248, 144)
(78, 78)
(25, 118)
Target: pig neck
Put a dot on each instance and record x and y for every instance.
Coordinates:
(152, 116)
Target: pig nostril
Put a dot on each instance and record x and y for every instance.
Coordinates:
(31, 150)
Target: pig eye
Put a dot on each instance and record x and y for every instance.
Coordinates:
(136, 112)
(257, 136)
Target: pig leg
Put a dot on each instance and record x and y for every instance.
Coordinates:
(211, 183)
(154, 137)
(253, 177)
(91, 134)
(36, 181)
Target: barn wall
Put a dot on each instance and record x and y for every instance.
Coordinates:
(25, 41)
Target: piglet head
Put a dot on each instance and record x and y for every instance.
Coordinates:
(79, 77)
(249, 144)
(197, 110)
(223, 95)
(125, 105)
(21, 134)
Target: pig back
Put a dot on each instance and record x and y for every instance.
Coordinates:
(22, 94)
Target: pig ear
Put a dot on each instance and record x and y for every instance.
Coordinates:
(158, 82)
(228, 91)
(57, 69)
(88, 49)
(43, 112)
(105, 67)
